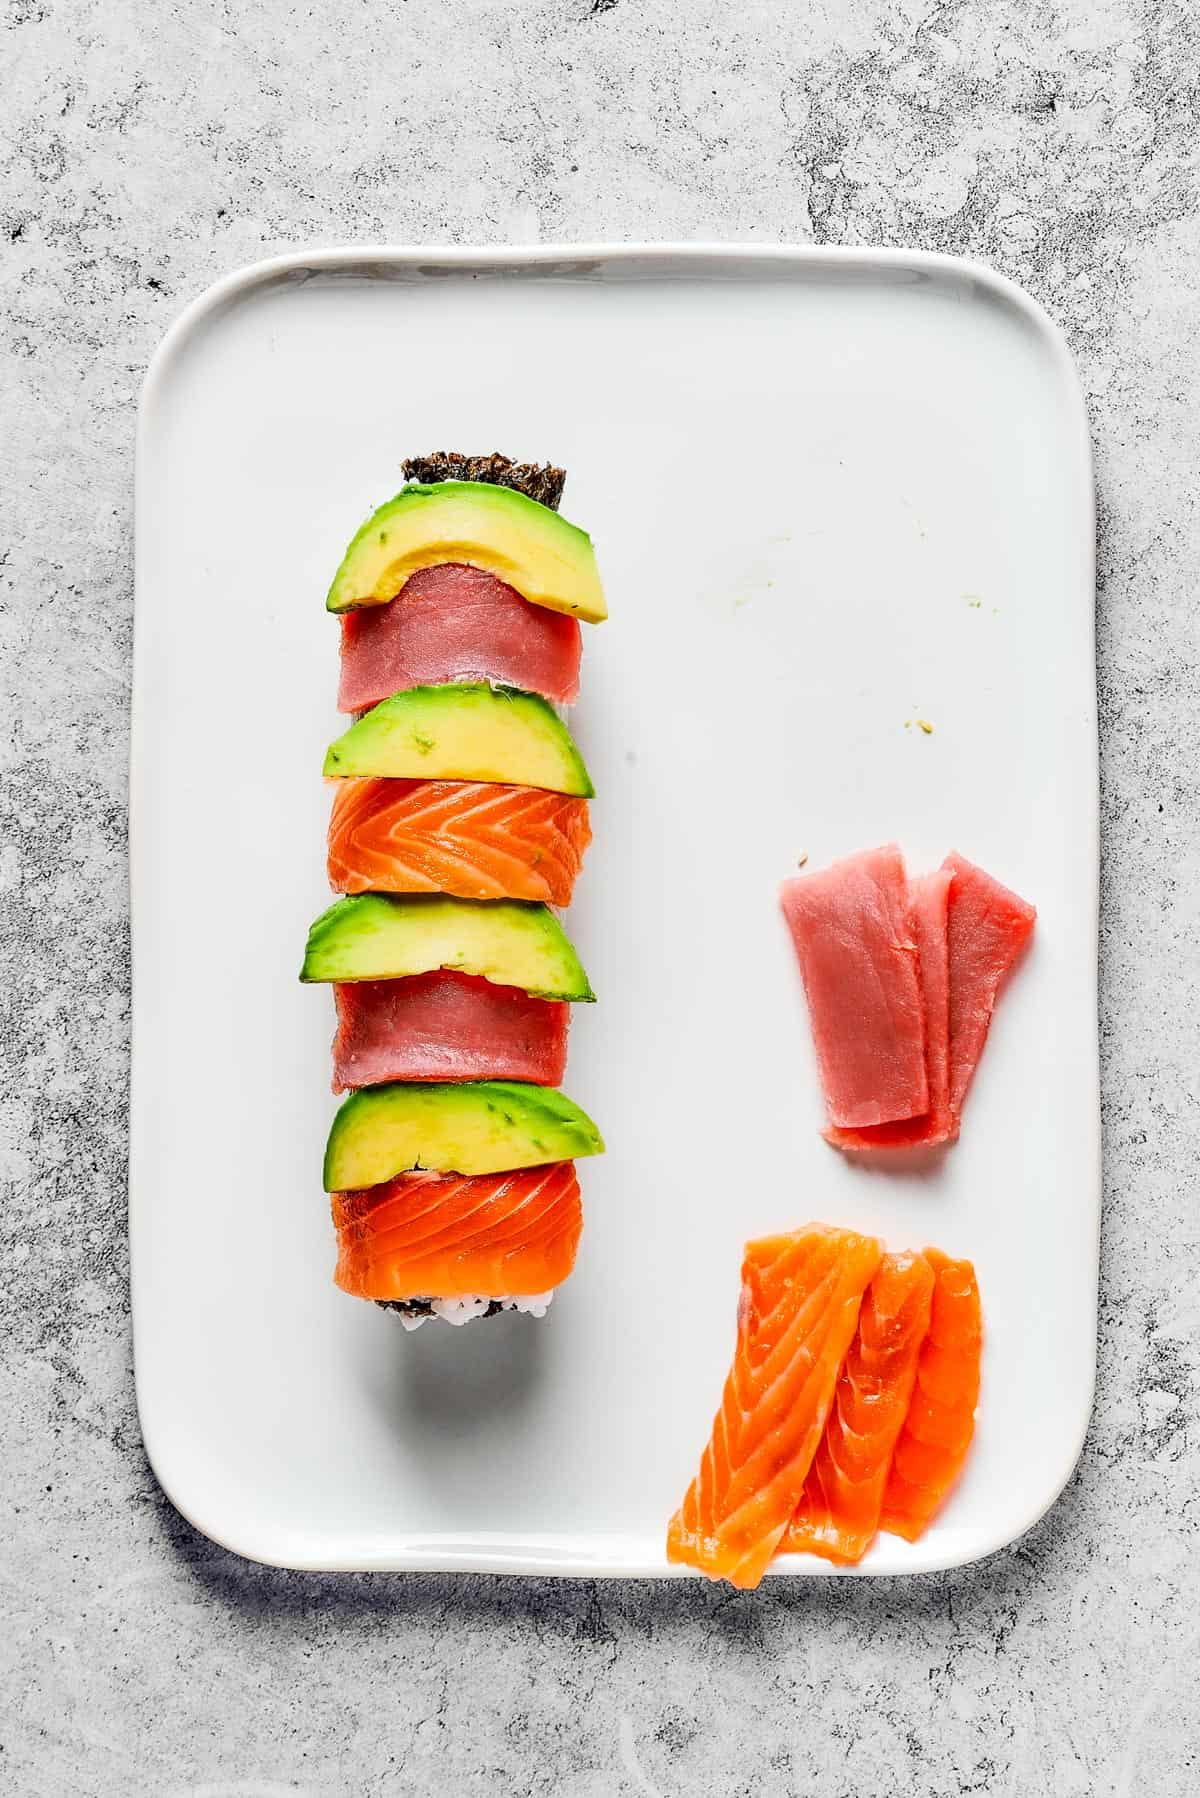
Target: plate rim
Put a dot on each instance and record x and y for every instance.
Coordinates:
(511, 1555)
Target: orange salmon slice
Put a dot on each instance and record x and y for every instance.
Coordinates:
(472, 839)
(933, 1444)
(444, 1236)
(797, 1313)
(838, 1513)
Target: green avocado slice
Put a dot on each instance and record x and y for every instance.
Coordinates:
(549, 562)
(479, 1127)
(465, 730)
(376, 936)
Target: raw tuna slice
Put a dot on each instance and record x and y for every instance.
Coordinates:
(987, 928)
(446, 1026)
(853, 930)
(455, 623)
(796, 1319)
(929, 897)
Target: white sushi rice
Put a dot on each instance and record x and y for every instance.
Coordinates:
(466, 1310)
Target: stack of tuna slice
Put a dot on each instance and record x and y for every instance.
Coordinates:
(902, 977)
(849, 1409)
(460, 817)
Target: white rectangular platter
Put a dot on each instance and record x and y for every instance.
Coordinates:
(831, 493)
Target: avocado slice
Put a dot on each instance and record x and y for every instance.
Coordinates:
(548, 561)
(479, 1127)
(464, 731)
(378, 936)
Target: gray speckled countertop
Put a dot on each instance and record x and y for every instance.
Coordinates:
(154, 147)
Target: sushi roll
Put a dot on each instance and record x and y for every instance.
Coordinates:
(457, 1201)
(483, 1244)
(466, 579)
(459, 817)
(444, 989)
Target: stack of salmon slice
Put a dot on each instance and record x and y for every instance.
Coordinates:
(902, 977)
(849, 1408)
(459, 818)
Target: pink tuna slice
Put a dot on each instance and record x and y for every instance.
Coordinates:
(987, 928)
(929, 896)
(853, 930)
(446, 1026)
(455, 623)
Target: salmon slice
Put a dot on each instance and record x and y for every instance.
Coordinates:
(454, 1236)
(838, 1513)
(932, 1446)
(455, 623)
(929, 897)
(853, 930)
(446, 1026)
(799, 1304)
(467, 838)
(987, 928)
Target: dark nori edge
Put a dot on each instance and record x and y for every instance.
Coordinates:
(424, 1307)
(536, 480)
